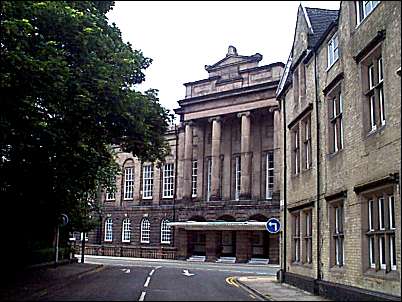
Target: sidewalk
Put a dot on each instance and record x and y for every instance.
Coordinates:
(268, 288)
(33, 283)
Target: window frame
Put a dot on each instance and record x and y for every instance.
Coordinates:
(168, 180)
(361, 13)
(194, 175)
(147, 181)
(126, 230)
(237, 171)
(269, 174)
(332, 49)
(128, 193)
(145, 231)
(109, 230)
(165, 232)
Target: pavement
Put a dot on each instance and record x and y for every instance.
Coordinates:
(268, 288)
(33, 283)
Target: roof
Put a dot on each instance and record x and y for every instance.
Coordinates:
(320, 20)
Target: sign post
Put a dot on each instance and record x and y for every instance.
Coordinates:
(62, 222)
(273, 225)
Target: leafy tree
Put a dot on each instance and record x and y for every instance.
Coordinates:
(67, 95)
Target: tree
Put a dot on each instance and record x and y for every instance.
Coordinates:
(67, 95)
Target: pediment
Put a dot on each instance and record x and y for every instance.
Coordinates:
(232, 58)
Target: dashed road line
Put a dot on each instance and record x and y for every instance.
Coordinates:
(142, 296)
(147, 282)
(152, 272)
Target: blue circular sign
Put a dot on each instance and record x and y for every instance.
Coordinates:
(273, 225)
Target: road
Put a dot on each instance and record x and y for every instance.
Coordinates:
(162, 280)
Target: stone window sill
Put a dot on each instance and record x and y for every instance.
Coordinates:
(381, 274)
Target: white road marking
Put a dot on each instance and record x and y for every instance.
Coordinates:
(152, 272)
(126, 270)
(142, 296)
(147, 282)
(187, 273)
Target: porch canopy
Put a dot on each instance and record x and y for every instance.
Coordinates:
(220, 225)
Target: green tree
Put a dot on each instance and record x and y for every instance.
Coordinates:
(67, 95)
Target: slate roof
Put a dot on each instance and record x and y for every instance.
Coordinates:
(320, 20)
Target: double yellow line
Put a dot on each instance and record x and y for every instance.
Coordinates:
(232, 281)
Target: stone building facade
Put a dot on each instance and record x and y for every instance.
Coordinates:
(340, 102)
(219, 186)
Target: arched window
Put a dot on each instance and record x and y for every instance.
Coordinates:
(126, 232)
(145, 230)
(109, 229)
(165, 231)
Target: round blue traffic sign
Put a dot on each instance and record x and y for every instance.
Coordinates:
(273, 225)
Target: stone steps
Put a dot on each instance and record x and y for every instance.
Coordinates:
(226, 260)
(197, 259)
(258, 261)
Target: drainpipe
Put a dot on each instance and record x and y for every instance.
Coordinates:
(318, 167)
(175, 167)
(285, 212)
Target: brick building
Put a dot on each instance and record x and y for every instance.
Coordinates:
(219, 186)
(340, 103)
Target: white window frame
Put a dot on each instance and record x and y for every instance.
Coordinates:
(371, 254)
(168, 180)
(392, 245)
(165, 232)
(381, 241)
(360, 9)
(209, 176)
(391, 210)
(237, 177)
(381, 214)
(297, 151)
(370, 214)
(381, 91)
(86, 236)
(126, 230)
(341, 118)
(194, 171)
(269, 185)
(147, 181)
(128, 183)
(145, 230)
(108, 230)
(333, 50)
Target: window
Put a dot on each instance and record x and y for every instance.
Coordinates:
(86, 236)
(296, 237)
(295, 151)
(109, 229)
(168, 180)
(126, 231)
(307, 246)
(269, 187)
(209, 175)
(194, 171)
(337, 235)
(333, 51)
(373, 85)
(335, 122)
(147, 181)
(145, 230)
(363, 9)
(165, 231)
(307, 142)
(380, 234)
(110, 194)
(129, 183)
(237, 177)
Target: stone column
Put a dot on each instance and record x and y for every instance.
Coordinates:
(215, 157)
(243, 246)
(245, 179)
(181, 242)
(277, 148)
(211, 245)
(188, 157)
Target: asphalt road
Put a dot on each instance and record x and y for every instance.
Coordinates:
(158, 281)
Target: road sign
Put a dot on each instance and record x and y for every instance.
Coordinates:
(273, 225)
(63, 219)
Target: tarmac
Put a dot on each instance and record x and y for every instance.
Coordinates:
(31, 284)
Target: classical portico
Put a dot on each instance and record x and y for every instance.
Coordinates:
(226, 138)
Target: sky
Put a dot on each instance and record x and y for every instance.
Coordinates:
(182, 37)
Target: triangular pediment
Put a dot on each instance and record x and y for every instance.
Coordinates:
(232, 58)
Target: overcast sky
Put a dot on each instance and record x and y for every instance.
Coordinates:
(183, 37)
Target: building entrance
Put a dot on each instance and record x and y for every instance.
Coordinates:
(228, 244)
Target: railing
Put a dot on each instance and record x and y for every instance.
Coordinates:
(130, 251)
